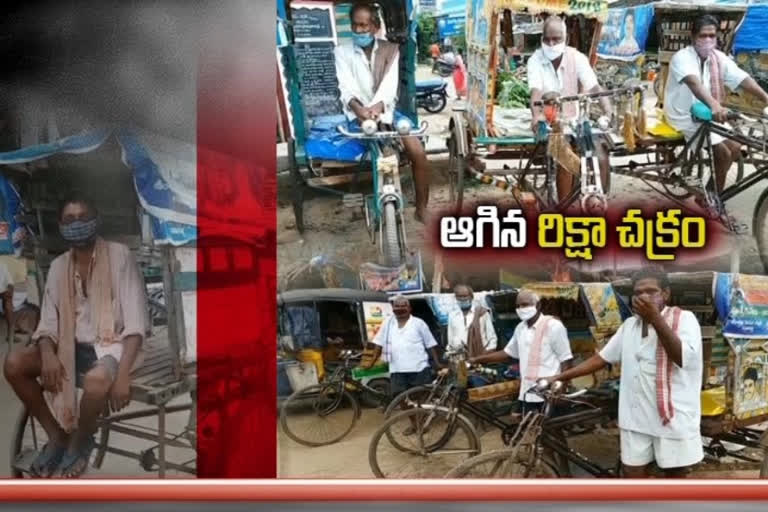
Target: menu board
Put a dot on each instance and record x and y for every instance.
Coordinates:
(317, 78)
(312, 23)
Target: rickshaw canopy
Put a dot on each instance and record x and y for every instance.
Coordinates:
(593, 9)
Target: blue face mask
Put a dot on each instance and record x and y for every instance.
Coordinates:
(363, 40)
(465, 304)
(79, 233)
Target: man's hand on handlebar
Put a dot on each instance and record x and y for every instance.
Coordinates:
(719, 113)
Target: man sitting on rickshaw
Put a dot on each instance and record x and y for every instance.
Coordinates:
(557, 69)
(660, 352)
(701, 72)
(92, 325)
(368, 75)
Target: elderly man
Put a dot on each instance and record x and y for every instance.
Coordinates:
(541, 344)
(660, 352)
(470, 327)
(701, 72)
(368, 75)
(406, 344)
(557, 69)
(93, 321)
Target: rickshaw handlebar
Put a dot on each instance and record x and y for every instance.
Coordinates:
(384, 135)
(591, 95)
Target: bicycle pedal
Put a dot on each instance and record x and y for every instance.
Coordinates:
(353, 200)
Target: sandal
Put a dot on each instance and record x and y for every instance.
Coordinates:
(48, 460)
(75, 465)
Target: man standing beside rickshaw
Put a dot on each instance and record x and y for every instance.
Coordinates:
(701, 72)
(470, 328)
(368, 77)
(660, 352)
(557, 69)
(541, 344)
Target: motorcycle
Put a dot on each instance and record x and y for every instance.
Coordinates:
(431, 95)
(443, 68)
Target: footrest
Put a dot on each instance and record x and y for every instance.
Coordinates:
(353, 200)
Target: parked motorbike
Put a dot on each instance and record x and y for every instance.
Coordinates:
(431, 95)
(443, 68)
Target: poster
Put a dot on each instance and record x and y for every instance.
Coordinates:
(750, 380)
(374, 314)
(742, 304)
(625, 33)
(603, 304)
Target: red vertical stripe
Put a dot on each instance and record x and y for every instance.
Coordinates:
(236, 256)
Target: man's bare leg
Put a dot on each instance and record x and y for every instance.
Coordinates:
(421, 174)
(96, 385)
(635, 471)
(564, 184)
(604, 162)
(723, 160)
(22, 368)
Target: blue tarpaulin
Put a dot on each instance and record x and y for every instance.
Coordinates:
(167, 195)
(752, 35)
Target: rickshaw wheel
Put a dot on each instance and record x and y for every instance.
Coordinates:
(418, 395)
(456, 169)
(390, 236)
(441, 439)
(760, 229)
(506, 463)
(764, 465)
(324, 410)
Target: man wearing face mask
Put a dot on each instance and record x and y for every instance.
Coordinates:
(92, 324)
(406, 343)
(700, 72)
(660, 352)
(556, 68)
(471, 327)
(540, 343)
(368, 77)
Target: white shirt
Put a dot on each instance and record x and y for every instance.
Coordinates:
(543, 76)
(555, 349)
(678, 97)
(409, 345)
(355, 75)
(638, 411)
(458, 328)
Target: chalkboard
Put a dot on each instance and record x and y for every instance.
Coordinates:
(317, 79)
(312, 23)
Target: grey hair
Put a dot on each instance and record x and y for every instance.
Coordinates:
(398, 299)
(462, 285)
(534, 295)
(554, 19)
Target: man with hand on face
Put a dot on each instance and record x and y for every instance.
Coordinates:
(700, 72)
(558, 69)
(660, 352)
(368, 75)
(406, 343)
(541, 344)
(93, 321)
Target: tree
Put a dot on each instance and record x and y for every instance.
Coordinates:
(426, 32)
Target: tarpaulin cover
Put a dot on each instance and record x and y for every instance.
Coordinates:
(752, 35)
(164, 173)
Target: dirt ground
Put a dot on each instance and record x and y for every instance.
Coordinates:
(339, 233)
(349, 458)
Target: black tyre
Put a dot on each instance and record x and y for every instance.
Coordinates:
(318, 416)
(506, 463)
(390, 236)
(435, 103)
(760, 229)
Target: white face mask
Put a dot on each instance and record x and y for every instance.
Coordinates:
(526, 313)
(553, 52)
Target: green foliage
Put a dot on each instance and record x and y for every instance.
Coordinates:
(427, 31)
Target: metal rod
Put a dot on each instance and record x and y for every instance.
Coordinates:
(170, 441)
(161, 445)
(136, 456)
(146, 413)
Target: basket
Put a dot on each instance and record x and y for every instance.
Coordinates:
(493, 391)
(301, 375)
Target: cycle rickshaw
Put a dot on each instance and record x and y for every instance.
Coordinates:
(337, 156)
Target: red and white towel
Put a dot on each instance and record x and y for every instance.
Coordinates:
(664, 371)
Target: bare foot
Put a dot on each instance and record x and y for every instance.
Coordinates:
(421, 215)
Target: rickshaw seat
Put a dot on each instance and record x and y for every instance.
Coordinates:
(713, 401)
(324, 142)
